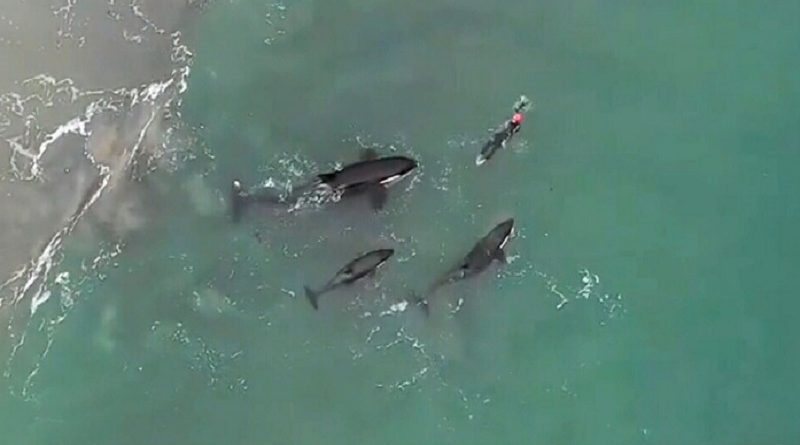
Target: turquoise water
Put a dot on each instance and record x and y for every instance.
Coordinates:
(650, 294)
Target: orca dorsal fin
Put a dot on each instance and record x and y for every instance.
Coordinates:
(368, 154)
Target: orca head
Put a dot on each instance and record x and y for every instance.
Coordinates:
(403, 167)
(384, 254)
(503, 231)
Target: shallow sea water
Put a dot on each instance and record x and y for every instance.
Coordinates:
(649, 292)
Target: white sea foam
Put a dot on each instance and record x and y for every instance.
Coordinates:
(20, 127)
(589, 289)
(394, 309)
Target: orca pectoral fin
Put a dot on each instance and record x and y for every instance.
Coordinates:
(313, 297)
(500, 255)
(378, 196)
(368, 154)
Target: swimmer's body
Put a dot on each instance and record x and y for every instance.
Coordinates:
(501, 136)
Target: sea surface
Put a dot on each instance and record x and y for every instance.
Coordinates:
(649, 296)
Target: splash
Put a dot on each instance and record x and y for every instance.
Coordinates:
(395, 309)
(426, 365)
(213, 364)
(276, 12)
(589, 290)
(66, 13)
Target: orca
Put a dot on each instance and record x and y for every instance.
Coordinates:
(353, 271)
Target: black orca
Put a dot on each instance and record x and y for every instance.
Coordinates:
(372, 175)
(353, 271)
(486, 250)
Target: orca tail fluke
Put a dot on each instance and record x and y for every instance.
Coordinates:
(377, 197)
(238, 200)
(313, 297)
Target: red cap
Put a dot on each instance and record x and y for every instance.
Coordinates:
(518, 118)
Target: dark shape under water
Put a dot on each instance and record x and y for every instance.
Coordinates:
(241, 199)
(353, 271)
